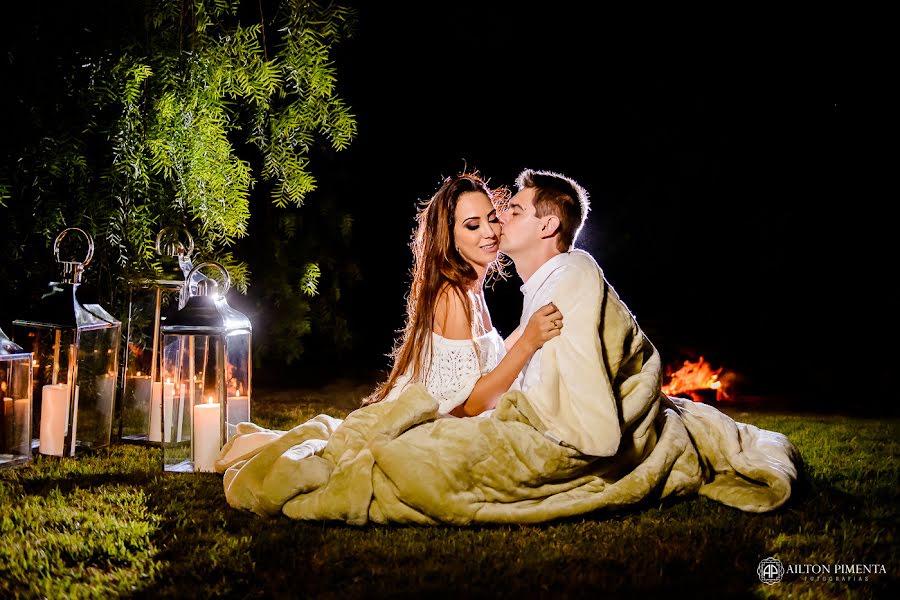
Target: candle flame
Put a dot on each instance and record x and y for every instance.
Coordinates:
(209, 399)
(168, 380)
(138, 373)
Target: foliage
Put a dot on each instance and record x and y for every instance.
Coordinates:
(176, 113)
(112, 525)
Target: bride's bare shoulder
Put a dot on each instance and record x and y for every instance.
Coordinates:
(450, 319)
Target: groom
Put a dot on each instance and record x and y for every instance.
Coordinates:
(595, 387)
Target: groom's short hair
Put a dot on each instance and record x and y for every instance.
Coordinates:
(560, 196)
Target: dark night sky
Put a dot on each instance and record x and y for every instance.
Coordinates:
(733, 158)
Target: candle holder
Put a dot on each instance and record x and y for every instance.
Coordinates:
(15, 413)
(146, 412)
(74, 369)
(206, 349)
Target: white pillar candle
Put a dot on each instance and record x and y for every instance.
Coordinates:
(54, 417)
(74, 423)
(161, 402)
(6, 436)
(22, 411)
(180, 403)
(238, 412)
(238, 409)
(206, 435)
(106, 388)
(141, 386)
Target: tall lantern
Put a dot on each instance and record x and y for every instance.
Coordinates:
(15, 414)
(76, 351)
(206, 354)
(147, 396)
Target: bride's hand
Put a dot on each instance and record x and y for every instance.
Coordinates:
(544, 325)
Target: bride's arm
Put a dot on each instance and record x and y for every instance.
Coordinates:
(492, 385)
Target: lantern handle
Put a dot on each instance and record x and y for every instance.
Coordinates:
(209, 263)
(164, 230)
(73, 269)
(90, 242)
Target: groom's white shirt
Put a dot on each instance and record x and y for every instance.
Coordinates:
(566, 382)
(537, 292)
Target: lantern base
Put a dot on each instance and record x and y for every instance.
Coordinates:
(81, 449)
(11, 460)
(140, 440)
(186, 466)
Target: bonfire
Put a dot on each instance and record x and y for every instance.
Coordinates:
(697, 380)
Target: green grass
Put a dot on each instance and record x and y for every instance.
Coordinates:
(112, 525)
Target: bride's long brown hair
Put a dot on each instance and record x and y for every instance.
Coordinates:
(437, 268)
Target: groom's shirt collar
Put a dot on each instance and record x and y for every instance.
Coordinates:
(537, 279)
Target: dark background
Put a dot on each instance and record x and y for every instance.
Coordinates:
(736, 161)
(733, 161)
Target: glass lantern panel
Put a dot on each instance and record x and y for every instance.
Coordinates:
(196, 366)
(15, 414)
(143, 376)
(96, 386)
(237, 380)
(52, 376)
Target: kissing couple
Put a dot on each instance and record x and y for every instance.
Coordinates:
(449, 342)
(566, 416)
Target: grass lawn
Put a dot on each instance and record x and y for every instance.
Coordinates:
(112, 525)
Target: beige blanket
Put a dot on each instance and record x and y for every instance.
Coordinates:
(396, 463)
(597, 434)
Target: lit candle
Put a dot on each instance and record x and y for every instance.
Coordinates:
(106, 388)
(141, 386)
(238, 410)
(206, 438)
(22, 411)
(6, 432)
(54, 417)
(161, 403)
(74, 423)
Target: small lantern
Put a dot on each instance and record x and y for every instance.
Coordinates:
(15, 417)
(206, 353)
(76, 351)
(146, 393)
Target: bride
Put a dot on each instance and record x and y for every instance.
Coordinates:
(449, 343)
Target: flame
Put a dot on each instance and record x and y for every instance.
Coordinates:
(694, 376)
(209, 399)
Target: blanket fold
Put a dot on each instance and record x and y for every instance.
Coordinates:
(398, 463)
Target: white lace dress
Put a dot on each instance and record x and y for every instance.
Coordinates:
(456, 365)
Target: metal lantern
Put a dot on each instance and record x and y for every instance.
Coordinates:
(74, 372)
(15, 416)
(206, 354)
(145, 391)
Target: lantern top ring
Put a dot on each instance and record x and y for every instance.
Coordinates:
(90, 246)
(226, 284)
(175, 228)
